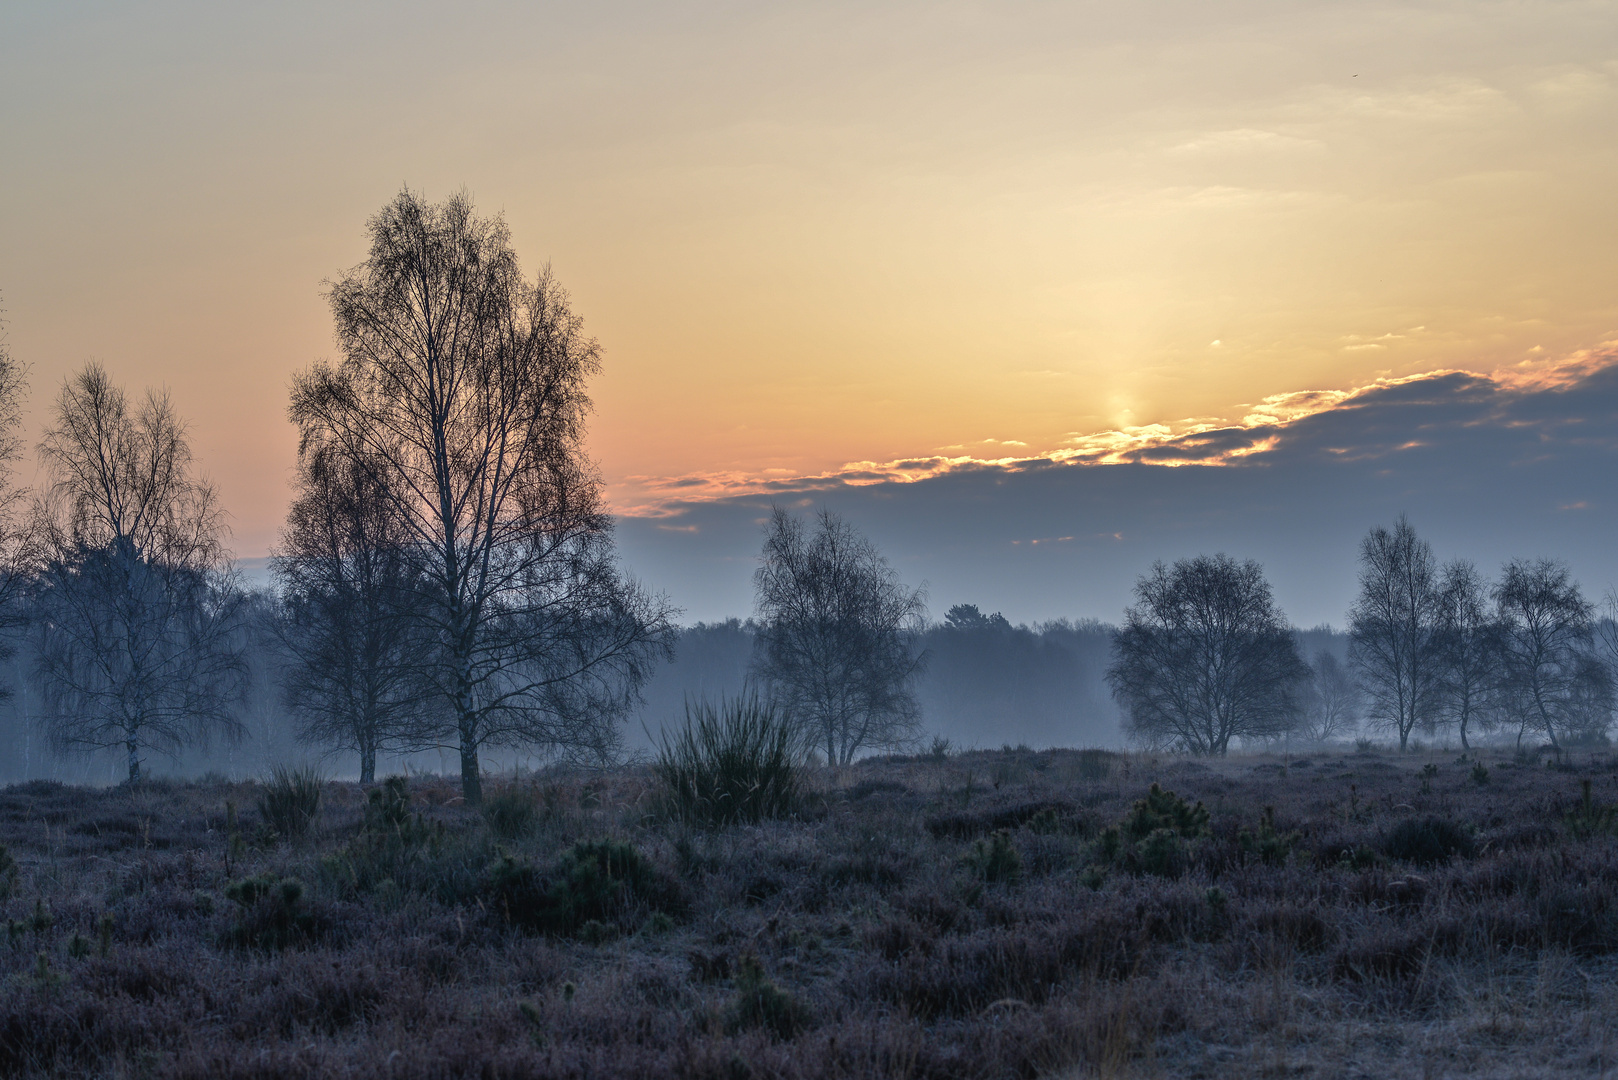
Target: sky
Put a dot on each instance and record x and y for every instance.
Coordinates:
(1011, 242)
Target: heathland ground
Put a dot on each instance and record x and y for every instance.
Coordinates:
(984, 914)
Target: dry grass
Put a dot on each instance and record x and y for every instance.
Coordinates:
(869, 936)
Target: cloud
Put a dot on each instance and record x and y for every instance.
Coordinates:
(1281, 423)
(1487, 466)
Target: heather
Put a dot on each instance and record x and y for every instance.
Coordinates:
(984, 914)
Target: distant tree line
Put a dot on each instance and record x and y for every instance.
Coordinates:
(1205, 657)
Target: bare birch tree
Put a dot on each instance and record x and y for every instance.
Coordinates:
(1393, 629)
(1331, 701)
(1552, 679)
(462, 384)
(139, 631)
(349, 618)
(837, 637)
(1205, 656)
(1468, 641)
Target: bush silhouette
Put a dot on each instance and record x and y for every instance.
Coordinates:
(1162, 854)
(1427, 841)
(512, 812)
(1269, 845)
(271, 914)
(761, 1004)
(595, 881)
(995, 860)
(1165, 810)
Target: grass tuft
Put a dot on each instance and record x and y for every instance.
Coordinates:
(290, 801)
(512, 812)
(736, 763)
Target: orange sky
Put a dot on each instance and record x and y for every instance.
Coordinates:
(811, 237)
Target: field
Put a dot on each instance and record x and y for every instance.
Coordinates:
(989, 914)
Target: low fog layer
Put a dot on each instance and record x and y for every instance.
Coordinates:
(985, 686)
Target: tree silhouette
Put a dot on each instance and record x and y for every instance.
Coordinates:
(1469, 649)
(1393, 629)
(1552, 678)
(462, 387)
(15, 553)
(349, 621)
(1331, 704)
(1205, 656)
(139, 642)
(836, 630)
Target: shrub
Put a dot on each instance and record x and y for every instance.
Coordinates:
(1294, 924)
(1270, 846)
(1480, 774)
(512, 812)
(995, 860)
(1165, 810)
(388, 807)
(1048, 822)
(1591, 819)
(964, 825)
(761, 1004)
(869, 861)
(1152, 838)
(1358, 857)
(396, 848)
(1162, 854)
(290, 801)
(271, 914)
(875, 786)
(594, 881)
(1427, 840)
(8, 873)
(737, 763)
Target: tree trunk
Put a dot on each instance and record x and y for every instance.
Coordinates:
(134, 760)
(1545, 719)
(471, 778)
(368, 765)
(467, 723)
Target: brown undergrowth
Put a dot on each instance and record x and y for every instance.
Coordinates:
(991, 914)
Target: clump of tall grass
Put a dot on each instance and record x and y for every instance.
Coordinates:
(735, 763)
(512, 813)
(290, 801)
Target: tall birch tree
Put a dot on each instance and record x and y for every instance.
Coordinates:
(462, 384)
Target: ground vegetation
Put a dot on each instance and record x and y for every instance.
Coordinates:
(985, 914)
